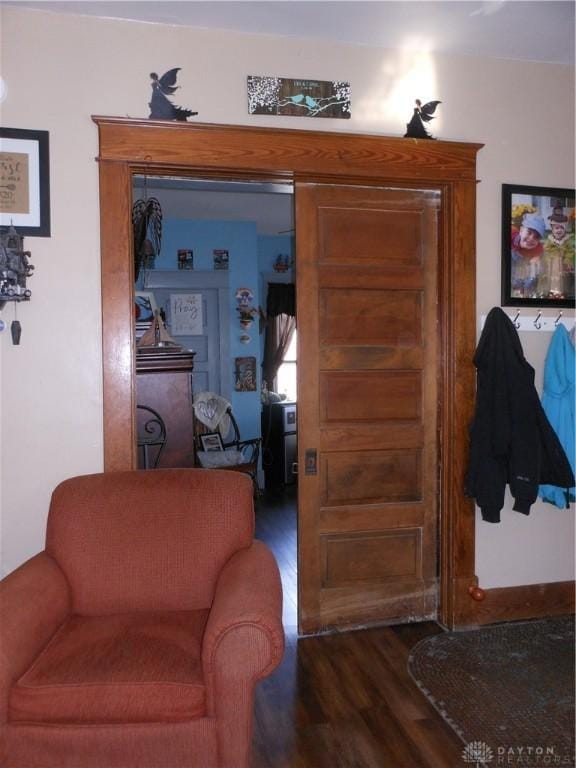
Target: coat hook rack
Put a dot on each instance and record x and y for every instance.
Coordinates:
(537, 322)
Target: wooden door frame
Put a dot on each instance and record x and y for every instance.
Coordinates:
(128, 146)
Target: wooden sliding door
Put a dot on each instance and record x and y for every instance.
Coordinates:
(368, 371)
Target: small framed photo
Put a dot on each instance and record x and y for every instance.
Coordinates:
(25, 181)
(245, 374)
(537, 246)
(211, 441)
(185, 259)
(221, 259)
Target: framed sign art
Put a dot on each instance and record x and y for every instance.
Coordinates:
(537, 246)
(25, 181)
(298, 98)
(186, 314)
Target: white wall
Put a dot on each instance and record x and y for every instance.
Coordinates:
(59, 70)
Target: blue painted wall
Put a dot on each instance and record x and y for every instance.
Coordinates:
(250, 256)
(239, 238)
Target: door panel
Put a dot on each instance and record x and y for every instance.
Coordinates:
(370, 395)
(370, 477)
(368, 371)
(360, 232)
(370, 317)
(348, 559)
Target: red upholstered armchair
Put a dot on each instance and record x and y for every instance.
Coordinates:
(135, 640)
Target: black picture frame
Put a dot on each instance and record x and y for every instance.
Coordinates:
(34, 184)
(540, 274)
(211, 441)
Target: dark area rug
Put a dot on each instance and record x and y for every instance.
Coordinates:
(507, 691)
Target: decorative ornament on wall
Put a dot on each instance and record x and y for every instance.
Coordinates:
(161, 108)
(416, 129)
(14, 269)
(282, 263)
(246, 311)
(298, 98)
(147, 231)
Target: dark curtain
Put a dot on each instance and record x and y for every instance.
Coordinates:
(281, 299)
(280, 326)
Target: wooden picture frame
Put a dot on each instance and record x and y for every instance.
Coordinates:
(25, 181)
(211, 441)
(537, 246)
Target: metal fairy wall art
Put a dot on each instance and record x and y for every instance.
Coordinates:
(161, 107)
(416, 129)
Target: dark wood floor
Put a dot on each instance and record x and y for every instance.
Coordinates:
(342, 700)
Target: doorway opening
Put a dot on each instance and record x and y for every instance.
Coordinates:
(128, 147)
(224, 247)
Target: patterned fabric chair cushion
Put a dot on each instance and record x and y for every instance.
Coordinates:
(140, 667)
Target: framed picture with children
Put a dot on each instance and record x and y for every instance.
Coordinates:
(537, 246)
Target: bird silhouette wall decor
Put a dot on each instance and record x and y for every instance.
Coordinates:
(416, 129)
(161, 108)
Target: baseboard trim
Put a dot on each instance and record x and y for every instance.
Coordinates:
(531, 601)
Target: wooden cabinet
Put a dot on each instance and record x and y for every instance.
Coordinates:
(164, 383)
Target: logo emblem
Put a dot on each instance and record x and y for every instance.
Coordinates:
(477, 752)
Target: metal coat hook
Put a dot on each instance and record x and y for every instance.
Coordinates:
(557, 321)
(515, 321)
(537, 323)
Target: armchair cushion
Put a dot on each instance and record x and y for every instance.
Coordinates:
(139, 667)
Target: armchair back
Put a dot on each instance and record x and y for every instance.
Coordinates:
(147, 541)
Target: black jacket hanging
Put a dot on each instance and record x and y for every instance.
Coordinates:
(511, 439)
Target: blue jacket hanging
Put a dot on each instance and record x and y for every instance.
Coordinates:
(558, 404)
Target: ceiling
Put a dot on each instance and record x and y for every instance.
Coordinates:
(537, 30)
(269, 206)
(534, 30)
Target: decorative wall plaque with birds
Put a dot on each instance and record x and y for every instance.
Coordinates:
(161, 108)
(298, 98)
(416, 129)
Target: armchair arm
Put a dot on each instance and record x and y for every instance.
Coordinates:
(34, 601)
(243, 642)
(247, 603)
